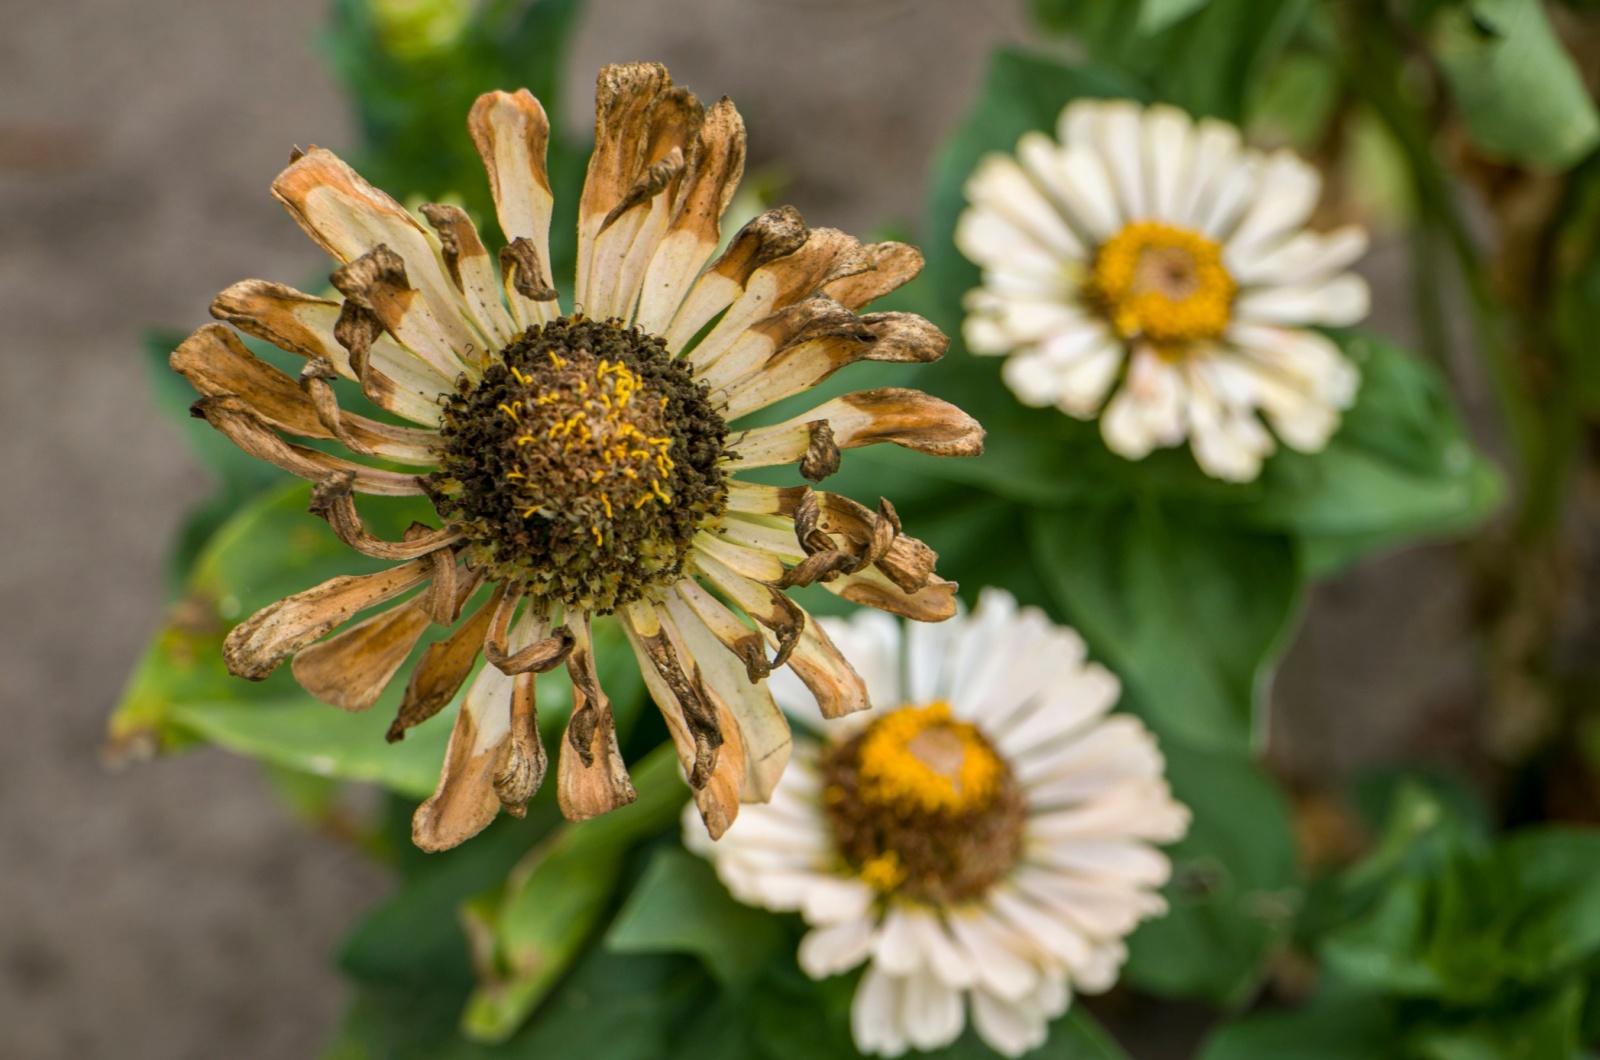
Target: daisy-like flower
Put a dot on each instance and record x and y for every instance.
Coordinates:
(984, 836)
(1156, 256)
(580, 462)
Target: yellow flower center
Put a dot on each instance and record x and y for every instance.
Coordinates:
(920, 758)
(1162, 283)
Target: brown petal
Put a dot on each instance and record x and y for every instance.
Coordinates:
(467, 263)
(675, 683)
(593, 779)
(331, 499)
(235, 418)
(217, 364)
(468, 798)
(715, 166)
(512, 135)
(257, 645)
(780, 616)
(890, 266)
(702, 623)
(443, 668)
(811, 319)
(829, 676)
(349, 218)
(908, 418)
(544, 650)
(379, 281)
(898, 337)
(305, 325)
(765, 238)
(934, 602)
(351, 669)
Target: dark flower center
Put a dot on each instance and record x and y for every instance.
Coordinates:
(581, 464)
(923, 806)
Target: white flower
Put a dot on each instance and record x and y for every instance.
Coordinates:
(1153, 251)
(982, 838)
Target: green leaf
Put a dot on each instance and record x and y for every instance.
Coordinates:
(1235, 886)
(554, 900)
(1519, 93)
(680, 907)
(1336, 1025)
(1400, 468)
(1157, 15)
(1189, 614)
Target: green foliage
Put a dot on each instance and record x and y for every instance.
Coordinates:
(1443, 944)
(1519, 93)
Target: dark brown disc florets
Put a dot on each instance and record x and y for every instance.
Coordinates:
(581, 464)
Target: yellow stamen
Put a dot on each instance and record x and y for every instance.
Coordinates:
(884, 872)
(919, 757)
(1162, 283)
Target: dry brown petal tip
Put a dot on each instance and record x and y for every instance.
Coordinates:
(373, 278)
(651, 183)
(457, 237)
(904, 338)
(526, 763)
(443, 668)
(351, 669)
(520, 261)
(764, 239)
(822, 453)
(333, 501)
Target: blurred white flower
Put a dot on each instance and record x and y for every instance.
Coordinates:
(982, 838)
(1157, 256)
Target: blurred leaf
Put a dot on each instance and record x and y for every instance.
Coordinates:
(1189, 614)
(1207, 57)
(680, 907)
(1335, 1025)
(1235, 886)
(1157, 15)
(1519, 93)
(553, 900)
(1401, 467)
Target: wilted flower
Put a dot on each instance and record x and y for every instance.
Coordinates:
(1157, 253)
(580, 462)
(985, 834)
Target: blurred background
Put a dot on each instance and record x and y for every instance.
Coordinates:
(174, 910)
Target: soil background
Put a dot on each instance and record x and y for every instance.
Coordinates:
(173, 910)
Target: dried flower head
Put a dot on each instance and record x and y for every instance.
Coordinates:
(1156, 256)
(580, 462)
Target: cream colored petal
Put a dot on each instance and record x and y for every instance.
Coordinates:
(715, 167)
(1078, 179)
(775, 285)
(1228, 441)
(1283, 202)
(908, 418)
(302, 324)
(217, 364)
(1230, 194)
(934, 602)
(1304, 257)
(703, 624)
(702, 728)
(931, 1012)
(256, 646)
(466, 802)
(1148, 411)
(811, 319)
(1117, 132)
(989, 238)
(349, 218)
(380, 283)
(896, 337)
(875, 1015)
(352, 668)
(1000, 186)
(1338, 302)
(836, 948)
(991, 952)
(466, 262)
(1216, 153)
(512, 135)
(766, 238)
(1168, 141)
(1011, 1028)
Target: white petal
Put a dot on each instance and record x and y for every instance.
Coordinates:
(1304, 257)
(929, 648)
(931, 1012)
(1168, 143)
(1001, 186)
(1232, 192)
(992, 953)
(1216, 154)
(1011, 1028)
(989, 239)
(875, 1015)
(896, 948)
(1282, 203)
(1117, 131)
(1148, 412)
(836, 948)
(940, 954)
(1338, 302)
(1076, 699)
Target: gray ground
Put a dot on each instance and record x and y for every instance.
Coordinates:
(172, 911)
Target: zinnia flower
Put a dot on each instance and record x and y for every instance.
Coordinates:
(580, 462)
(984, 835)
(1156, 256)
